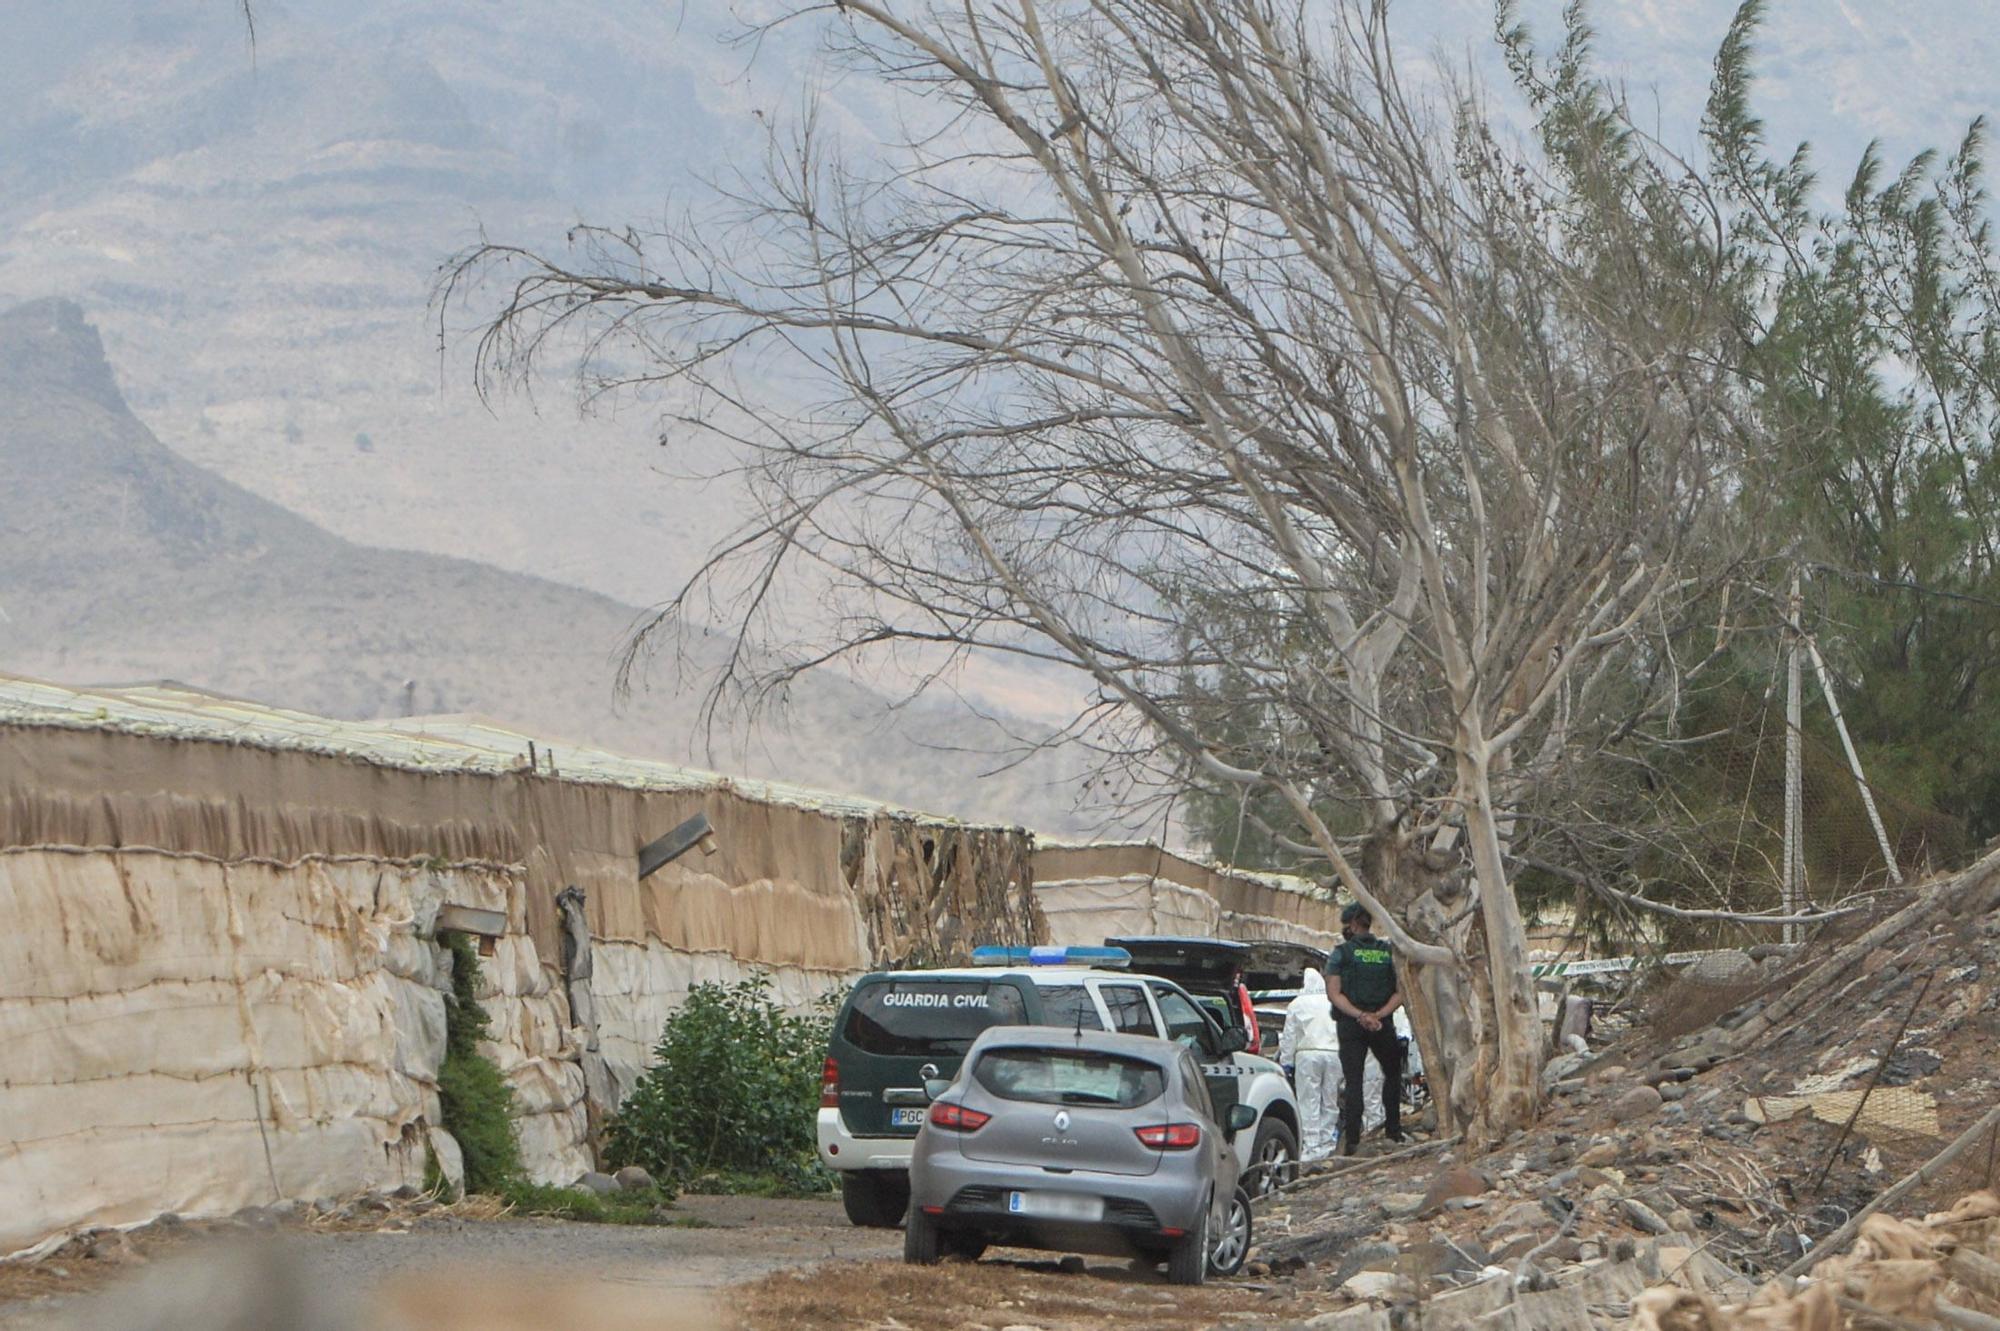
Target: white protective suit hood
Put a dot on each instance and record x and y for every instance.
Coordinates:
(1308, 1020)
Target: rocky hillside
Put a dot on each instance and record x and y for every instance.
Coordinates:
(121, 561)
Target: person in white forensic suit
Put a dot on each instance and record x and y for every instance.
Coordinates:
(1309, 1048)
(1371, 1075)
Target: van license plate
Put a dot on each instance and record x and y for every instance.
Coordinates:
(1055, 1206)
(906, 1118)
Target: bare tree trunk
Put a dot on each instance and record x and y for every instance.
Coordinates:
(1446, 1013)
(1435, 995)
(1512, 1091)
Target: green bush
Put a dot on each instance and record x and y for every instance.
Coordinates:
(731, 1096)
(478, 1104)
(651, 1206)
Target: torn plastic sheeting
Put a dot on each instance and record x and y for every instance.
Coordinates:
(1086, 911)
(1898, 1271)
(454, 743)
(639, 985)
(824, 884)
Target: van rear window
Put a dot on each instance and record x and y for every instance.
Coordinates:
(929, 1018)
(1069, 1006)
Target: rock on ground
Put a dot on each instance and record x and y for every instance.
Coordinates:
(1636, 1103)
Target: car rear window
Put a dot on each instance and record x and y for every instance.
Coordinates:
(1069, 1077)
(929, 1018)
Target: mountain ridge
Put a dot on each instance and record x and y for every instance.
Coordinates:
(137, 564)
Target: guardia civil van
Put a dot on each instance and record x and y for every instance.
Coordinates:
(899, 1029)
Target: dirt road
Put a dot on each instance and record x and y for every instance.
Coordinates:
(721, 1241)
(728, 1261)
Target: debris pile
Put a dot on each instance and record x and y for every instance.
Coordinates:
(1941, 1271)
(1710, 1165)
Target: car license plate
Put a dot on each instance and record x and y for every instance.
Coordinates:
(906, 1118)
(1055, 1206)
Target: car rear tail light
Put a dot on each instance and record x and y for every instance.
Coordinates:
(957, 1118)
(1172, 1137)
(829, 1085)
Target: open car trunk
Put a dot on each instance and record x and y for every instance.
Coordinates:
(1206, 965)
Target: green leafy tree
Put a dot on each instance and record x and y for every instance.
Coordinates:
(1873, 334)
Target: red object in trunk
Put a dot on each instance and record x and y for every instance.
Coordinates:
(1249, 1010)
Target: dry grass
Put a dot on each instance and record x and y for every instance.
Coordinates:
(959, 1296)
(485, 1301)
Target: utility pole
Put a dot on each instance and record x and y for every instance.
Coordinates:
(1854, 763)
(1794, 893)
(1798, 643)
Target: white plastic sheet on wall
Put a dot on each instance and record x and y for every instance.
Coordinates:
(180, 1034)
(1086, 911)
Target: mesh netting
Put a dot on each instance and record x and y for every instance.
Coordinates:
(1978, 1168)
(1737, 784)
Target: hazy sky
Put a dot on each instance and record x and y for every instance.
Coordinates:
(622, 100)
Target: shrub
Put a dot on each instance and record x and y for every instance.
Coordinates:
(731, 1096)
(651, 1206)
(478, 1105)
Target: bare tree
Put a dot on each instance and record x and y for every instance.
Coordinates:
(1176, 341)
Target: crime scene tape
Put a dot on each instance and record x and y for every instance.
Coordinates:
(1613, 965)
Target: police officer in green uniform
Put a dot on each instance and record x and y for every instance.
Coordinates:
(1361, 982)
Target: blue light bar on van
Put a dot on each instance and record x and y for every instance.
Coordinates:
(1114, 957)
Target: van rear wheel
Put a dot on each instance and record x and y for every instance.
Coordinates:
(875, 1199)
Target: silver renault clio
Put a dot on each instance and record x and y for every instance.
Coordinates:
(1080, 1141)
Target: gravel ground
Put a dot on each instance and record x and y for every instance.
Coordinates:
(447, 1270)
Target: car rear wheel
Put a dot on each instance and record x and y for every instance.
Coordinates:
(875, 1199)
(920, 1239)
(964, 1244)
(1187, 1260)
(1232, 1245)
(1274, 1157)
